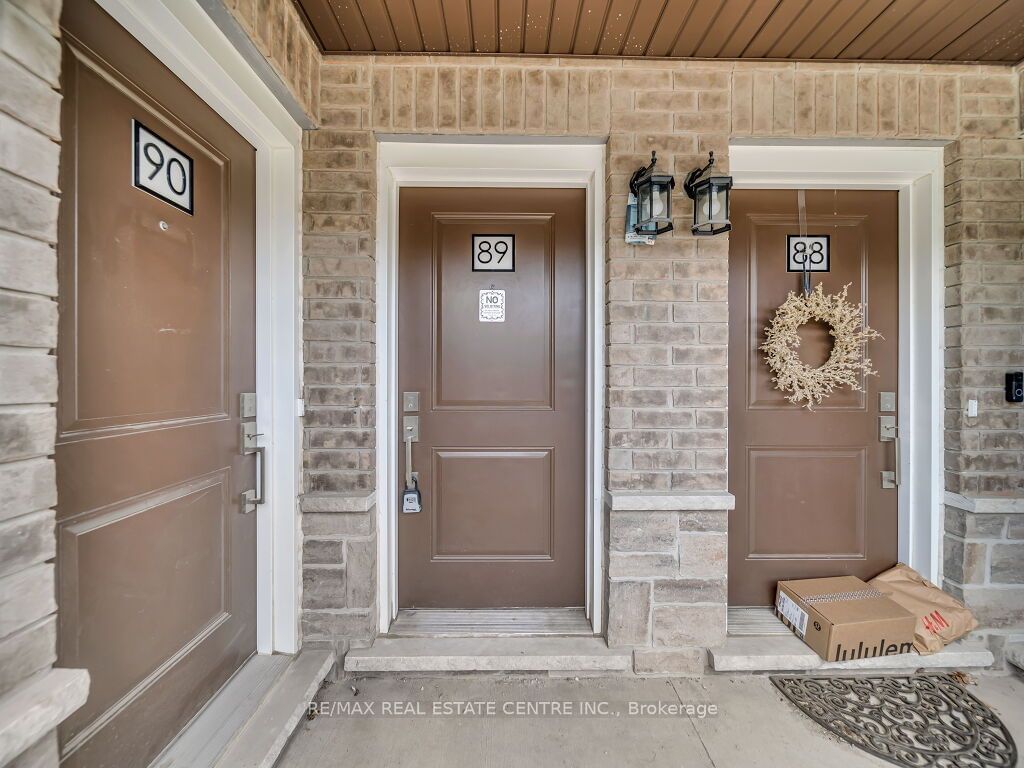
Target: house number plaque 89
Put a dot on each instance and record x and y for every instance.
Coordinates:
(494, 253)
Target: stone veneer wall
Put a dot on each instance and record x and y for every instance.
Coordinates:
(667, 312)
(984, 564)
(281, 36)
(32, 699)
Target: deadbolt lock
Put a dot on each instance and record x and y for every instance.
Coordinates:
(247, 405)
(410, 402)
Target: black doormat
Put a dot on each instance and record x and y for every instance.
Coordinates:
(922, 720)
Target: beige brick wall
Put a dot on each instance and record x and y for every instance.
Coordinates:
(29, 153)
(667, 312)
(281, 36)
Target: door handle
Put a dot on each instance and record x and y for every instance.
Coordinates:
(411, 434)
(256, 496)
(412, 501)
(888, 432)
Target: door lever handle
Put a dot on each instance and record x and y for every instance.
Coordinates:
(410, 434)
(261, 465)
(888, 432)
(411, 497)
(254, 497)
(898, 471)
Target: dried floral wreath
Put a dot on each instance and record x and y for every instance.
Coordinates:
(845, 365)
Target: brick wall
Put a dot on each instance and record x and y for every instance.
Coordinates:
(281, 36)
(29, 153)
(667, 311)
(985, 308)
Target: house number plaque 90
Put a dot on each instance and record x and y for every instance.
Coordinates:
(161, 169)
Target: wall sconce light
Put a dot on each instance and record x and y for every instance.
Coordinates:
(710, 196)
(649, 211)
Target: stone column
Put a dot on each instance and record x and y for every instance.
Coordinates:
(667, 572)
(339, 571)
(983, 563)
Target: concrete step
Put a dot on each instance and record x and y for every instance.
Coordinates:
(249, 720)
(203, 740)
(488, 654)
(263, 738)
(1015, 655)
(787, 653)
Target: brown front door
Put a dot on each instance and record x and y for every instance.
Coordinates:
(809, 500)
(156, 562)
(492, 335)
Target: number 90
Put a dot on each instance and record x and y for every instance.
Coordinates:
(174, 169)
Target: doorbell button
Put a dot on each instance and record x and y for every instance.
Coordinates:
(1015, 387)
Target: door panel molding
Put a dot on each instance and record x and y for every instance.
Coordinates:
(544, 477)
(439, 401)
(454, 162)
(806, 452)
(762, 394)
(71, 422)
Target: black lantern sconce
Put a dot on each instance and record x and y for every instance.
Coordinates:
(649, 212)
(710, 195)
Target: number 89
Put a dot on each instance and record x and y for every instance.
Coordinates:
(484, 254)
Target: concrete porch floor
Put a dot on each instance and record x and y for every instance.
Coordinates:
(755, 725)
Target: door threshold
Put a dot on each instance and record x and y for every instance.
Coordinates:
(443, 655)
(758, 621)
(491, 622)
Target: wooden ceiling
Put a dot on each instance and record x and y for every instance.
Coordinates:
(859, 30)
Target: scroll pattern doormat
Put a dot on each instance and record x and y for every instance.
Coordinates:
(922, 720)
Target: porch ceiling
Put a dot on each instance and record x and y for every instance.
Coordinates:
(852, 30)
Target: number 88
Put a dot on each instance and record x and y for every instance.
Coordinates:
(817, 252)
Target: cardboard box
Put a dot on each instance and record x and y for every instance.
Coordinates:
(842, 618)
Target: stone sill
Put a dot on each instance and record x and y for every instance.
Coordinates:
(669, 501)
(338, 502)
(37, 706)
(986, 505)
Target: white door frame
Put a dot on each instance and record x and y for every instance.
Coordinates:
(916, 170)
(188, 42)
(404, 161)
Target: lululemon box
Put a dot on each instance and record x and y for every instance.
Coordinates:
(843, 618)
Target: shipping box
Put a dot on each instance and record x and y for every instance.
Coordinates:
(842, 618)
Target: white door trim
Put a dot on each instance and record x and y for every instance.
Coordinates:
(916, 170)
(425, 163)
(188, 42)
